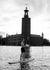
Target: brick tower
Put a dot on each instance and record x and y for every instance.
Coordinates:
(26, 26)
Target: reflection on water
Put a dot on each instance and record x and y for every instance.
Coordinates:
(41, 57)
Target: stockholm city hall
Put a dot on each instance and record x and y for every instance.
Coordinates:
(32, 39)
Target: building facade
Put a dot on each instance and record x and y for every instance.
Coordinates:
(33, 40)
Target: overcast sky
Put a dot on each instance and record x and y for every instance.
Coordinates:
(11, 12)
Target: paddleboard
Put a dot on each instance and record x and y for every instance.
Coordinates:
(24, 61)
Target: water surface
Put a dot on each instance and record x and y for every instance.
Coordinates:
(41, 57)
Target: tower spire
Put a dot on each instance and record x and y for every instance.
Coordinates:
(26, 4)
(26, 12)
(26, 8)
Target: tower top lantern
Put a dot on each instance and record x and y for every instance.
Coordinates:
(26, 12)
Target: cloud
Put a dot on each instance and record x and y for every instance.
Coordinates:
(19, 2)
(48, 6)
(6, 19)
(38, 5)
(11, 12)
